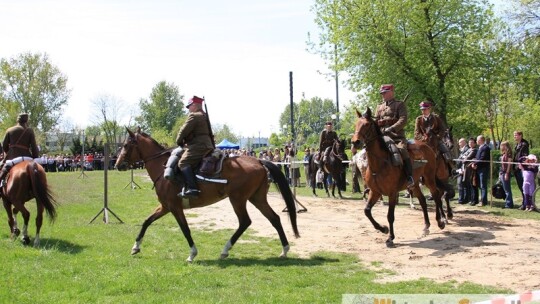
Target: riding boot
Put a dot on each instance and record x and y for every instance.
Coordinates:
(190, 186)
(407, 168)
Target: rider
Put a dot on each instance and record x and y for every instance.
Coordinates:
(326, 140)
(430, 128)
(391, 118)
(195, 137)
(18, 141)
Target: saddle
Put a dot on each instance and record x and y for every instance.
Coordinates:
(212, 164)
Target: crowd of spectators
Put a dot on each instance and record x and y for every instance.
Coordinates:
(66, 163)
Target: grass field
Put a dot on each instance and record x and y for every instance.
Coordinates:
(82, 262)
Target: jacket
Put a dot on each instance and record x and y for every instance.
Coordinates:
(20, 141)
(392, 114)
(194, 136)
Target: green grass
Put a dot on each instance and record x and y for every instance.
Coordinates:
(79, 262)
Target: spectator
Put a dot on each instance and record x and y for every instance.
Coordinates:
(530, 169)
(505, 173)
(481, 164)
(462, 193)
(520, 151)
(307, 153)
(294, 169)
(470, 179)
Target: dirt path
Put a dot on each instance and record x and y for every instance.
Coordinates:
(475, 246)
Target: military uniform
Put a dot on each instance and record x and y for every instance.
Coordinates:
(20, 141)
(430, 130)
(195, 136)
(391, 117)
(326, 139)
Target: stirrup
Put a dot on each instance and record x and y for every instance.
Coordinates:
(410, 182)
(189, 193)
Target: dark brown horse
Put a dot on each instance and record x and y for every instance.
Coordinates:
(25, 181)
(383, 178)
(247, 179)
(333, 167)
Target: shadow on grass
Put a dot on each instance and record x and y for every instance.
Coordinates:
(61, 246)
(275, 262)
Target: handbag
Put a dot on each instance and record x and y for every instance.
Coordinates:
(498, 191)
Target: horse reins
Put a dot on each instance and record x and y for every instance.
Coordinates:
(150, 158)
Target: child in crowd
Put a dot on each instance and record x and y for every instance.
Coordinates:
(529, 168)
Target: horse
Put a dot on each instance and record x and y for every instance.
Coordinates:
(25, 181)
(333, 167)
(443, 172)
(246, 179)
(383, 178)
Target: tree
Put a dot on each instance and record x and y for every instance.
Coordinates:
(526, 15)
(109, 111)
(309, 119)
(429, 49)
(162, 109)
(222, 132)
(30, 83)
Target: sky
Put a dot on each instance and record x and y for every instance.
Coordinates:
(236, 53)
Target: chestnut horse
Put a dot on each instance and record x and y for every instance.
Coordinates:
(443, 172)
(334, 167)
(383, 178)
(247, 179)
(25, 181)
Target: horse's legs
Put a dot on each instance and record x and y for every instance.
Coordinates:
(239, 207)
(182, 222)
(158, 213)
(372, 199)
(268, 212)
(26, 219)
(39, 222)
(11, 220)
(392, 202)
(417, 192)
(436, 193)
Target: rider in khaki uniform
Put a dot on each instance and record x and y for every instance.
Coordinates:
(195, 137)
(430, 128)
(326, 140)
(391, 117)
(18, 141)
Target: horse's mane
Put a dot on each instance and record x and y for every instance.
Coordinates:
(143, 134)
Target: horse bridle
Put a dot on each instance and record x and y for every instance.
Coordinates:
(369, 135)
(134, 141)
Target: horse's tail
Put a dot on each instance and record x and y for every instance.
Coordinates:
(285, 190)
(40, 189)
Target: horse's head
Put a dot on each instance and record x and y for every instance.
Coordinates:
(129, 153)
(448, 139)
(364, 130)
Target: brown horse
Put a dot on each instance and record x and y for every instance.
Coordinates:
(247, 179)
(383, 178)
(25, 181)
(333, 166)
(443, 172)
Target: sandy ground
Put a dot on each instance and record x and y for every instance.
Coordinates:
(475, 246)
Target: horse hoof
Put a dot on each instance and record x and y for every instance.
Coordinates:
(425, 233)
(390, 244)
(134, 251)
(223, 256)
(26, 240)
(16, 232)
(450, 216)
(385, 230)
(442, 224)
